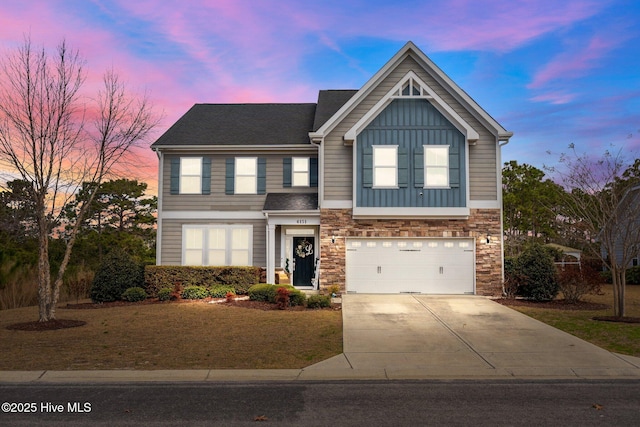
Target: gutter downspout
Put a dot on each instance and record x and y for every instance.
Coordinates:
(502, 143)
(159, 218)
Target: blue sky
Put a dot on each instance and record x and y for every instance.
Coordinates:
(554, 73)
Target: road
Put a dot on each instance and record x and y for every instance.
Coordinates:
(337, 403)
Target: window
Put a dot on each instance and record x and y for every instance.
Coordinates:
(246, 175)
(190, 175)
(385, 166)
(300, 171)
(436, 166)
(217, 245)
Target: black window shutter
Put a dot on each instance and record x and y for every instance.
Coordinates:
(418, 167)
(403, 167)
(206, 175)
(367, 167)
(262, 175)
(454, 167)
(313, 170)
(286, 172)
(174, 185)
(230, 165)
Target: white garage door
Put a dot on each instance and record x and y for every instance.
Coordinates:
(429, 266)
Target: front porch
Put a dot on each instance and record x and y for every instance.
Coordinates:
(293, 232)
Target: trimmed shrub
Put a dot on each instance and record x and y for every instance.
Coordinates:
(576, 282)
(536, 272)
(221, 291)
(164, 294)
(263, 292)
(296, 296)
(240, 278)
(282, 298)
(117, 273)
(319, 301)
(134, 294)
(267, 293)
(195, 292)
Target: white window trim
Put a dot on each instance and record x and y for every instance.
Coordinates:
(237, 173)
(426, 167)
(181, 189)
(306, 172)
(374, 167)
(228, 241)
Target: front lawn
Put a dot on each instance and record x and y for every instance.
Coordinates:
(621, 338)
(191, 335)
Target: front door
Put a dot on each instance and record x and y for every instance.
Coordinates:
(304, 260)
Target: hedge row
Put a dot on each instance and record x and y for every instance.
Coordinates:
(241, 279)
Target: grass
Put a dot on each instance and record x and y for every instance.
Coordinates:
(172, 336)
(623, 338)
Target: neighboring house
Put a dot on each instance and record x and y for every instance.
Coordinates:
(391, 188)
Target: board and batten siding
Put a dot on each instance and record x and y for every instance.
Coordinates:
(411, 124)
(172, 238)
(217, 200)
(338, 158)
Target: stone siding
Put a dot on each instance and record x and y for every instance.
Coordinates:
(338, 224)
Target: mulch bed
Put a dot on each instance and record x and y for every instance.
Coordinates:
(49, 325)
(555, 304)
(564, 305)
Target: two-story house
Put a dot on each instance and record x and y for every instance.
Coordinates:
(395, 187)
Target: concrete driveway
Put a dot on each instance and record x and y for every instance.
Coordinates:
(426, 336)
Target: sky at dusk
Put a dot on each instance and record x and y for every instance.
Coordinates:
(552, 72)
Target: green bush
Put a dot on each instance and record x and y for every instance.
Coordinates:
(296, 296)
(633, 276)
(195, 292)
(263, 292)
(241, 278)
(164, 294)
(117, 273)
(319, 301)
(221, 291)
(134, 294)
(536, 274)
(267, 293)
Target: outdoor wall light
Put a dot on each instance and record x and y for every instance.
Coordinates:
(333, 239)
(488, 239)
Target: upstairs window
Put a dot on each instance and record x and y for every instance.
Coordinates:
(300, 171)
(246, 175)
(385, 166)
(436, 166)
(190, 175)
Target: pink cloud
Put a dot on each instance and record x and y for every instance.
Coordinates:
(575, 63)
(556, 98)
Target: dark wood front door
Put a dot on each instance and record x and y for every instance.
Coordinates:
(304, 259)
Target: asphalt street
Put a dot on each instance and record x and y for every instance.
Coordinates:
(323, 403)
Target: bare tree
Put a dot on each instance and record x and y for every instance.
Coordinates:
(46, 138)
(602, 202)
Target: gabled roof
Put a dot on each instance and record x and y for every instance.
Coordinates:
(330, 101)
(410, 49)
(241, 124)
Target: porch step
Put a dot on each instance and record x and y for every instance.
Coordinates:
(282, 278)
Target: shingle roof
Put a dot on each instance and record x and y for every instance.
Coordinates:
(241, 124)
(291, 202)
(329, 102)
(253, 124)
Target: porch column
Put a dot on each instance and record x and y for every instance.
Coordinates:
(271, 253)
